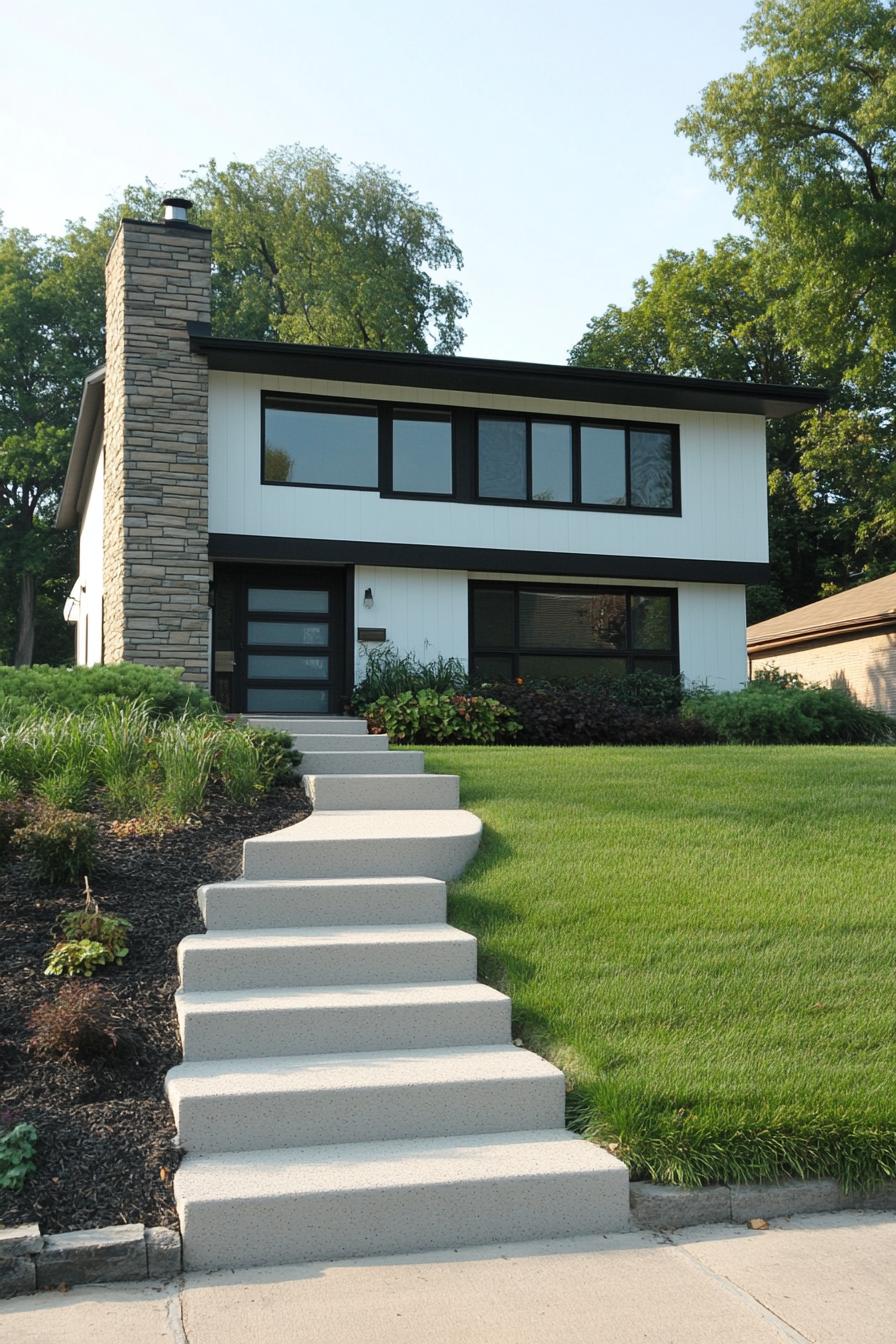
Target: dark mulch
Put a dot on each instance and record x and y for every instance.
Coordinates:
(105, 1133)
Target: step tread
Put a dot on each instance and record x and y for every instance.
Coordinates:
(393, 1164)
(366, 997)
(364, 825)
(352, 1072)
(250, 885)
(319, 936)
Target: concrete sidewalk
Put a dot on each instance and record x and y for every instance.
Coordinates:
(825, 1278)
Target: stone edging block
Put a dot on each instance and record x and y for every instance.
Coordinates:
(99, 1255)
(671, 1206)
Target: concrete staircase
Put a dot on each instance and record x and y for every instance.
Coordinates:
(348, 1087)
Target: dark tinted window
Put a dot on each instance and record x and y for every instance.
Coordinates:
(421, 453)
(603, 465)
(308, 443)
(651, 469)
(551, 461)
(502, 459)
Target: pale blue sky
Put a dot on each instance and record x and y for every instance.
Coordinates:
(543, 132)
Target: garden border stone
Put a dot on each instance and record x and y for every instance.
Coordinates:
(660, 1207)
(125, 1253)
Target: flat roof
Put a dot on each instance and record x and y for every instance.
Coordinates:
(561, 382)
(869, 605)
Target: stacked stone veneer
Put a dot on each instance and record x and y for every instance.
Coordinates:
(155, 532)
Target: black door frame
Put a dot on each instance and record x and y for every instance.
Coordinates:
(340, 582)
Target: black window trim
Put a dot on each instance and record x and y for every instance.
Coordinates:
(577, 423)
(465, 444)
(630, 654)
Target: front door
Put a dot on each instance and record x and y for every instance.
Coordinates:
(286, 632)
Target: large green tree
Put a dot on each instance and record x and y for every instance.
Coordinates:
(302, 250)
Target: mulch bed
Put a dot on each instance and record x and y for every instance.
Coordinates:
(105, 1134)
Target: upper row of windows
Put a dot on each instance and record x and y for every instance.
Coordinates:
(461, 454)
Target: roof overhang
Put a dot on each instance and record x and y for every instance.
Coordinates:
(88, 413)
(559, 382)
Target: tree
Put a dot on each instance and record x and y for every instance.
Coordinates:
(805, 139)
(301, 251)
(307, 252)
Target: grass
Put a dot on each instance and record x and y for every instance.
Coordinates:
(704, 938)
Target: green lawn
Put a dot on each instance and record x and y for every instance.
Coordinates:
(705, 939)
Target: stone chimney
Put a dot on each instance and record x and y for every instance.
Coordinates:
(155, 542)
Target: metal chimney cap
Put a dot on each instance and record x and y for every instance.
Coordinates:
(176, 208)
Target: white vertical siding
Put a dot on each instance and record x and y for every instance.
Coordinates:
(712, 634)
(424, 611)
(89, 646)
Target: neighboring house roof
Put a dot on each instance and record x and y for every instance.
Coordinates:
(871, 604)
(510, 377)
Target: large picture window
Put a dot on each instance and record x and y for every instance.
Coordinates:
(601, 466)
(569, 634)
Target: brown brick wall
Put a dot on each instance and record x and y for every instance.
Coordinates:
(155, 567)
(862, 664)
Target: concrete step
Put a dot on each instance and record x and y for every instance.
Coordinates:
(361, 762)
(284, 903)
(232, 1105)
(367, 844)
(340, 793)
(365, 955)
(376, 744)
(250, 1023)
(332, 727)
(285, 1206)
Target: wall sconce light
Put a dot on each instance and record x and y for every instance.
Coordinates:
(368, 597)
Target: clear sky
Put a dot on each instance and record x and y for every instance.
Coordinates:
(542, 131)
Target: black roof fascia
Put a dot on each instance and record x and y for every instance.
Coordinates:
(559, 382)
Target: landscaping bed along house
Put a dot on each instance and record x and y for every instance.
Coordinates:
(148, 798)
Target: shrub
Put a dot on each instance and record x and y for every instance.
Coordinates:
(587, 714)
(433, 716)
(17, 1146)
(91, 924)
(768, 711)
(62, 844)
(78, 1022)
(389, 673)
(240, 766)
(81, 688)
(67, 788)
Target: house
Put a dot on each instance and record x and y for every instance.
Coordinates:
(262, 514)
(847, 640)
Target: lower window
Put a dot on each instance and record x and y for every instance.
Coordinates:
(570, 634)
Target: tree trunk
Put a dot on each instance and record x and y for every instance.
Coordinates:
(24, 654)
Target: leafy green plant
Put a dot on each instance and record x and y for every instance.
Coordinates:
(92, 925)
(9, 788)
(390, 673)
(185, 751)
(81, 956)
(121, 748)
(80, 1021)
(17, 1148)
(62, 844)
(590, 713)
(278, 758)
(66, 788)
(434, 716)
(240, 767)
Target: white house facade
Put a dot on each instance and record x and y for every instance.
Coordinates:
(263, 514)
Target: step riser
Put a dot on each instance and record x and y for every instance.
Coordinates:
(442, 857)
(252, 905)
(351, 1223)
(335, 793)
(374, 745)
(264, 1034)
(361, 763)
(331, 727)
(364, 1115)
(269, 967)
